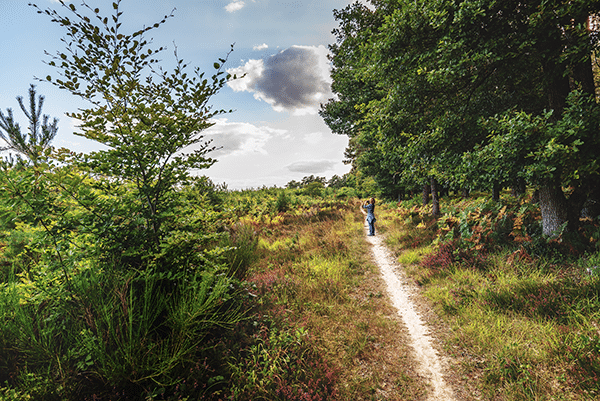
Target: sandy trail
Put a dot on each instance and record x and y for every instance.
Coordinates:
(400, 294)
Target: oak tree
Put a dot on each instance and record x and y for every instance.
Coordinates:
(443, 72)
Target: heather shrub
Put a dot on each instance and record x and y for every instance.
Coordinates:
(281, 364)
(440, 260)
(449, 255)
(582, 350)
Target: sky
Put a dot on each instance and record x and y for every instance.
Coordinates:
(274, 134)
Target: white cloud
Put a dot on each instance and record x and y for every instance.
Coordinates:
(234, 139)
(313, 138)
(234, 6)
(261, 47)
(296, 79)
(253, 69)
(274, 153)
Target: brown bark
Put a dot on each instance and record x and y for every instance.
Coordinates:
(496, 192)
(435, 210)
(426, 190)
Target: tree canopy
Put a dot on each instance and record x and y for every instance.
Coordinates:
(149, 120)
(475, 93)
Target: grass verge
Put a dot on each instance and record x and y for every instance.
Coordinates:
(521, 325)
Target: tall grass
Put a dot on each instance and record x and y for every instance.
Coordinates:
(113, 334)
(241, 247)
(323, 330)
(524, 316)
(92, 309)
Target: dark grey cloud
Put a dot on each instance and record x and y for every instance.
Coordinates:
(311, 166)
(296, 79)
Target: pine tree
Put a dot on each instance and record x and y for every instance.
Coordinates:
(41, 131)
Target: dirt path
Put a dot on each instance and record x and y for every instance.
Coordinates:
(431, 364)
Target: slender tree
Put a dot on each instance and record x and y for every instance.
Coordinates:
(41, 130)
(150, 121)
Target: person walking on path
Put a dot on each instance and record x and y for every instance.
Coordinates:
(370, 207)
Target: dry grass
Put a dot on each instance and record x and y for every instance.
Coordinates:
(339, 297)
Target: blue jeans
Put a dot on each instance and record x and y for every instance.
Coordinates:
(371, 227)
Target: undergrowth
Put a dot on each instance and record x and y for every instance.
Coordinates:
(522, 310)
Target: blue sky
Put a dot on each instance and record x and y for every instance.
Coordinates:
(274, 134)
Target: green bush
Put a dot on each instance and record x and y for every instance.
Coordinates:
(346, 192)
(283, 202)
(130, 332)
(315, 188)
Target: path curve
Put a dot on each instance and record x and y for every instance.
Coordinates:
(399, 291)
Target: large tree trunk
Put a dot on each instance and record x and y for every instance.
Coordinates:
(435, 209)
(553, 206)
(557, 209)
